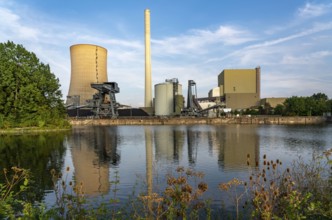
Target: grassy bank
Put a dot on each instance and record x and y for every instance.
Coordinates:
(27, 130)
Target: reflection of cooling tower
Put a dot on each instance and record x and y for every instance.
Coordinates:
(93, 150)
(95, 177)
(88, 65)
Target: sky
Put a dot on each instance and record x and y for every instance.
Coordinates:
(190, 40)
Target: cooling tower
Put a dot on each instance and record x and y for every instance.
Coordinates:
(88, 65)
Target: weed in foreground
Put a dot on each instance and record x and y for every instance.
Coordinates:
(180, 199)
(10, 204)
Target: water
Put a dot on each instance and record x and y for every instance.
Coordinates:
(142, 155)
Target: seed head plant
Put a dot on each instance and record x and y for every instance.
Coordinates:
(180, 199)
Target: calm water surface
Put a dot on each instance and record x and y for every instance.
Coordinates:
(141, 156)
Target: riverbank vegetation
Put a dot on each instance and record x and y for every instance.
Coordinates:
(316, 105)
(30, 93)
(302, 191)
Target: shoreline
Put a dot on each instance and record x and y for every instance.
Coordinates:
(267, 120)
(33, 130)
(273, 120)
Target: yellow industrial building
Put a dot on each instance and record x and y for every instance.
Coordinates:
(240, 87)
(273, 102)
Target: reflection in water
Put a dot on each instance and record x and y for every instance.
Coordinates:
(234, 143)
(38, 153)
(168, 143)
(220, 151)
(192, 142)
(93, 150)
(148, 153)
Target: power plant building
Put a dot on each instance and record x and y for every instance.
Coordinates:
(88, 65)
(240, 87)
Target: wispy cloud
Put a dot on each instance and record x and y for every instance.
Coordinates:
(11, 25)
(307, 59)
(310, 10)
(199, 40)
(318, 27)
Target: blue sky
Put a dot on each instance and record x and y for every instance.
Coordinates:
(190, 39)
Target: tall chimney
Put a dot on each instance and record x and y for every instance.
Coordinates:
(148, 86)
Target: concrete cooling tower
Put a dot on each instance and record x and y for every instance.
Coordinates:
(88, 65)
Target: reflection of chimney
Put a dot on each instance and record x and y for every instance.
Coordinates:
(148, 86)
(149, 153)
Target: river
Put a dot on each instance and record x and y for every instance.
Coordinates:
(139, 157)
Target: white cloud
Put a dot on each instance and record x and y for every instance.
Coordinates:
(318, 27)
(200, 41)
(307, 59)
(310, 10)
(11, 25)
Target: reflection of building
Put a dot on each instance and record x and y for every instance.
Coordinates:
(235, 143)
(240, 87)
(193, 137)
(93, 150)
(169, 143)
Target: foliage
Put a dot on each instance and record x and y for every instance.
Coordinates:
(29, 91)
(234, 193)
(9, 202)
(303, 192)
(38, 153)
(180, 199)
(315, 105)
(279, 109)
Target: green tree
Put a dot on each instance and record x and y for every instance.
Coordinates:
(315, 105)
(320, 104)
(320, 96)
(279, 109)
(29, 91)
(295, 106)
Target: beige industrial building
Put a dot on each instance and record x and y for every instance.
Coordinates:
(88, 65)
(240, 87)
(273, 102)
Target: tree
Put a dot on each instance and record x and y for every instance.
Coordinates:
(320, 104)
(279, 109)
(315, 105)
(29, 91)
(320, 96)
(295, 106)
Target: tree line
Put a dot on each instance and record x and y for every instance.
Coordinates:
(30, 93)
(316, 105)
